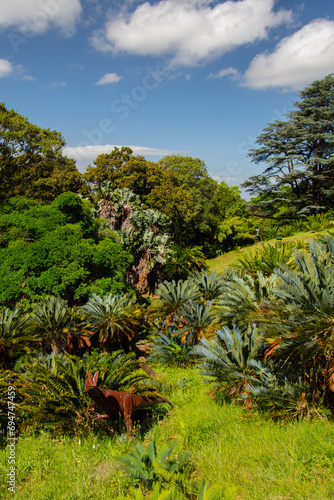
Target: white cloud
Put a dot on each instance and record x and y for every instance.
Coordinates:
(36, 16)
(6, 68)
(58, 84)
(29, 78)
(222, 73)
(297, 60)
(84, 155)
(109, 78)
(190, 31)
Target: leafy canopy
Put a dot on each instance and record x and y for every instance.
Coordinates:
(31, 160)
(299, 152)
(54, 250)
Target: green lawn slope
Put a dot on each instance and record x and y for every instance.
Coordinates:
(230, 258)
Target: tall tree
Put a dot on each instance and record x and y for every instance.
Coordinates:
(299, 152)
(178, 186)
(31, 160)
(123, 170)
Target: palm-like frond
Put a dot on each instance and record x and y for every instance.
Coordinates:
(14, 336)
(284, 400)
(242, 293)
(55, 323)
(172, 296)
(55, 393)
(114, 318)
(230, 359)
(199, 321)
(184, 261)
(172, 350)
(266, 258)
(300, 325)
(210, 285)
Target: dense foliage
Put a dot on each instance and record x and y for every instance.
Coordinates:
(56, 250)
(178, 186)
(299, 152)
(31, 160)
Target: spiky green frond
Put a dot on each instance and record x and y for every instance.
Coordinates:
(172, 296)
(230, 360)
(172, 350)
(242, 293)
(198, 319)
(150, 465)
(266, 258)
(210, 285)
(15, 338)
(112, 317)
(52, 319)
(55, 394)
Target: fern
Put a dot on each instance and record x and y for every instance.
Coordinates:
(55, 397)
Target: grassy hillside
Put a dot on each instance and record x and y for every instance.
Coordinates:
(253, 458)
(228, 259)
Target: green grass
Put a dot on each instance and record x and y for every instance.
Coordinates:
(228, 445)
(230, 258)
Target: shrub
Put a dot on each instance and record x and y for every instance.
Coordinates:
(172, 351)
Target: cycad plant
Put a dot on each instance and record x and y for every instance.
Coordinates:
(284, 400)
(300, 324)
(183, 261)
(55, 398)
(172, 297)
(15, 339)
(241, 294)
(57, 325)
(210, 285)
(114, 319)
(231, 361)
(198, 321)
(266, 258)
(317, 222)
(172, 350)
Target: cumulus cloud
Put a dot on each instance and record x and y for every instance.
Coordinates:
(297, 60)
(222, 73)
(36, 16)
(109, 78)
(6, 68)
(190, 31)
(84, 155)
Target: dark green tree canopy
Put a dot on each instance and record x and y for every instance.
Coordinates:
(299, 153)
(31, 160)
(56, 250)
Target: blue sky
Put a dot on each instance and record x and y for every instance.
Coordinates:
(189, 77)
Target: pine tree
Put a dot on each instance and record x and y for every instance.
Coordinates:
(299, 179)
